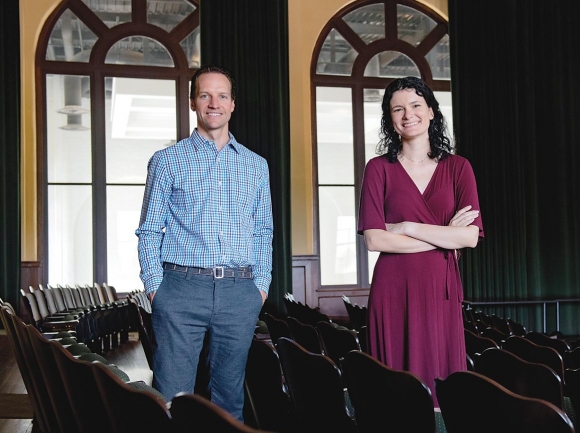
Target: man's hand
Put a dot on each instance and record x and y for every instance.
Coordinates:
(264, 296)
(151, 295)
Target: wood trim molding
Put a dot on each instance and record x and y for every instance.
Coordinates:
(306, 289)
(30, 274)
(305, 278)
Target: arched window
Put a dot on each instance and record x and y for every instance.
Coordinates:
(113, 85)
(360, 51)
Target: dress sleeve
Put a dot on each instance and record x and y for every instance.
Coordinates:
(371, 213)
(466, 193)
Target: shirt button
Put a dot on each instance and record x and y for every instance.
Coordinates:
(218, 159)
(219, 183)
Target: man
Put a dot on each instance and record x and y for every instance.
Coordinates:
(205, 248)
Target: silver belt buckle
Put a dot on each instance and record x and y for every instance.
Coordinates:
(218, 272)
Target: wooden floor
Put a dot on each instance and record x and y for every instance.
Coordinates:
(129, 357)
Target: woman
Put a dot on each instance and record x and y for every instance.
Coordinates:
(418, 206)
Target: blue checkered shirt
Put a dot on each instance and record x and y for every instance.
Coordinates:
(206, 208)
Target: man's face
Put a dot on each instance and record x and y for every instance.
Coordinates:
(213, 102)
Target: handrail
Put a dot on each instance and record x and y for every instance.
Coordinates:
(544, 303)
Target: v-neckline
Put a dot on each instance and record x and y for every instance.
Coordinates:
(422, 194)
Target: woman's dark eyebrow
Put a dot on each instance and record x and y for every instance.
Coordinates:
(410, 103)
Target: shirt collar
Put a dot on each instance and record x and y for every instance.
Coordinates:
(199, 140)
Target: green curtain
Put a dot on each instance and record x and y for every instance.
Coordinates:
(9, 152)
(250, 39)
(516, 100)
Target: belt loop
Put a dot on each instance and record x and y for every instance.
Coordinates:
(189, 274)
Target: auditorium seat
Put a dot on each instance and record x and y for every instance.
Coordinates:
(522, 377)
(304, 334)
(357, 314)
(194, 413)
(337, 341)
(471, 402)
(276, 328)
(316, 390)
(264, 384)
(385, 399)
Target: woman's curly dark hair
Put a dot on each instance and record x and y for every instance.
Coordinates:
(390, 141)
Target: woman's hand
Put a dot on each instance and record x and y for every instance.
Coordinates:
(464, 217)
(459, 233)
(397, 228)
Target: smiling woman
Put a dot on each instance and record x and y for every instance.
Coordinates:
(417, 211)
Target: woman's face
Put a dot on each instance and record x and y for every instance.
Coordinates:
(410, 114)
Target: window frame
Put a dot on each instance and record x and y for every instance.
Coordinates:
(97, 70)
(357, 82)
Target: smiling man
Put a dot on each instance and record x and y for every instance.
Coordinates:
(205, 248)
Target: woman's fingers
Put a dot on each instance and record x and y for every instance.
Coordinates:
(458, 214)
(465, 209)
(464, 217)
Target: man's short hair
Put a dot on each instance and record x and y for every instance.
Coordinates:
(210, 69)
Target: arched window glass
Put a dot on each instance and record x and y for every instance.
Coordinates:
(359, 52)
(336, 56)
(391, 64)
(70, 40)
(190, 46)
(368, 22)
(167, 14)
(111, 13)
(438, 59)
(139, 50)
(100, 123)
(412, 25)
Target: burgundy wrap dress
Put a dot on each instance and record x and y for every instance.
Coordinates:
(414, 308)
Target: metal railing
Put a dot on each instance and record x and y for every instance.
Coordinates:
(543, 302)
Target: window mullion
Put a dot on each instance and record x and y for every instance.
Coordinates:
(182, 101)
(359, 166)
(139, 11)
(99, 165)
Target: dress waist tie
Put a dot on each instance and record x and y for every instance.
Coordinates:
(451, 273)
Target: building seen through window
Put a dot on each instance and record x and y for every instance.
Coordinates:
(362, 49)
(115, 90)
